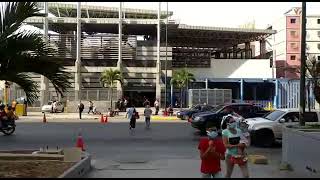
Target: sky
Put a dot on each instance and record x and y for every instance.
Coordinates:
(221, 14)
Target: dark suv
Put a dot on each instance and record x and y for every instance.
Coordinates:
(186, 114)
(212, 118)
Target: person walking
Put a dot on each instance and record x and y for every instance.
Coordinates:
(80, 108)
(156, 105)
(147, 115)
(212, 151)
(90, 107)
(131, 115)
(231, 138)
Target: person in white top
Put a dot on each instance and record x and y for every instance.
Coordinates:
(156, 105)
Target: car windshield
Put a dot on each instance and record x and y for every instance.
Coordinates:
(272, 116)
(217, 108)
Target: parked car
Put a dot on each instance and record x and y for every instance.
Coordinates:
(49, 107)
(266, 130)
(212, 118)
(186, 114)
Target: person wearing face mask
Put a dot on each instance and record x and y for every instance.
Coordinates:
(231, 137)
(211, 153)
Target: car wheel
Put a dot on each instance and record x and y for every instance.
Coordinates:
(264, 138)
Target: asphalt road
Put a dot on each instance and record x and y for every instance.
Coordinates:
(166, 150)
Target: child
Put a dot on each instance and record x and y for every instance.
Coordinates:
(211, 153)
(244, 139)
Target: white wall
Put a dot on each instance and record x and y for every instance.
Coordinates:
(235, 68)
(313, 47)
(312, 35)
(312, 22)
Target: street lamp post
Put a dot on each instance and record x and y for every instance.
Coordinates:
(302, 66)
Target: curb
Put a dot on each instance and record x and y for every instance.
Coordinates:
(79, 169)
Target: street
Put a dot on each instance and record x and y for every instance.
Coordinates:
(168, 149)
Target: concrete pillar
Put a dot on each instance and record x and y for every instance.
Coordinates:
(119, 63)
(276, 94)
(241, 90)
(77, 79)
(206, 83)
(234, 50)
(263, 48)
(171, 95)
(158, 77)
(247, 50)
(254, 92)
(44, 84)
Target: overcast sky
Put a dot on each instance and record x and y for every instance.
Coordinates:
(225, 14)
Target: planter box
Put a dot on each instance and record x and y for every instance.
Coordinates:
(300, 149)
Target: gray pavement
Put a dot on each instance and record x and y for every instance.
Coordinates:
(166, 150)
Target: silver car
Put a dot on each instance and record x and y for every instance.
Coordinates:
(266, 130)
(49, 107)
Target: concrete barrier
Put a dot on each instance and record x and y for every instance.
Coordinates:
(300, 150)
(79, 169)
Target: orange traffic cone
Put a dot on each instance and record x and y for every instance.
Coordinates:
(102, 119)
(44, 120)
(80, 143)
(106, 119)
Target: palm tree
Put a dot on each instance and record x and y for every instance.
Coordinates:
(24, 51)
(109, 78)
(181, 79)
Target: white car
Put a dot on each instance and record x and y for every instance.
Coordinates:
(49, 107)
(266, 130)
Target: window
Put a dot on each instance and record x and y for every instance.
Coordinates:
(293, 33)
(318, 58)
(318, 46)
(311, 116)
(292, 57)
(292, 21)
(291, 117)
(318, 20)
(294, 45)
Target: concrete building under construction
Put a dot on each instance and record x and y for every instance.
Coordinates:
(147, 46)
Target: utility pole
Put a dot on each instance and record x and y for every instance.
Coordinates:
(303, 66)
(165, 80)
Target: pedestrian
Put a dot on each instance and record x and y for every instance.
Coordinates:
(212, 151)
(125, 103)
(90, 107)
(156, 105)
(147, 115)
(131, 115)
(170, 110)
(81, 108)
(231, 138)
(13, 105)
(146, 102)
(54, 106)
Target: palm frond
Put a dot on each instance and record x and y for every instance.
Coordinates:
(29, 86)
(13, 14)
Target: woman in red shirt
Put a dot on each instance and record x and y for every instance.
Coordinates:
(212, 151)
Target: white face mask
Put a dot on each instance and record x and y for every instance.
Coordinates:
(232, 125)
(212, 134)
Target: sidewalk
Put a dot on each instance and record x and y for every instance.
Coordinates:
(74, 118)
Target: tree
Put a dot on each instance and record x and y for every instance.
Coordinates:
(24, 51)
(109, 78)
(313, 76)
(181, 79)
